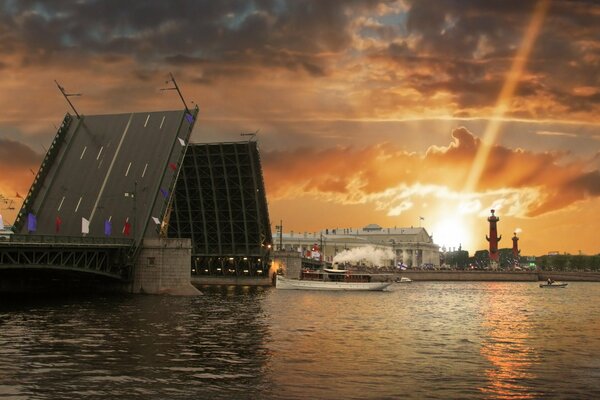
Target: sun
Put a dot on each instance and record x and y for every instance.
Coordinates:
(452, 232)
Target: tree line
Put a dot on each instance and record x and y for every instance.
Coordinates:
(558, 262)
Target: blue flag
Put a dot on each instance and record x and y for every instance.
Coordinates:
(107, 227)
(31, 223)
(189, 118)
(164, 192)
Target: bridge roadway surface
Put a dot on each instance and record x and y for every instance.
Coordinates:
(104, 157)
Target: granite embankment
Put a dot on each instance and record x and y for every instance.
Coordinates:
(514, 276)
(417, 275)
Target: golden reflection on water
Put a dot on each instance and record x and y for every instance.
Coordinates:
(334, 343)
(506, 345)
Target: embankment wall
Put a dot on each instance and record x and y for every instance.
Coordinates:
(466, 276)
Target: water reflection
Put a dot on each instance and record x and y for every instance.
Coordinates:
(506, 345)
(137, 347)
(435, 340)
(337, 345)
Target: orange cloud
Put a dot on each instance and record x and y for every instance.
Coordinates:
(17, 164)
(532, 183)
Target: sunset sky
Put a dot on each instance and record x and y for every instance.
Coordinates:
(366, 111)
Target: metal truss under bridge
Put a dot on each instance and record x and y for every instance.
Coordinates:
(113, 258)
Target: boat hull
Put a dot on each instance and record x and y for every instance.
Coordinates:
(297, 284)
(553, 285)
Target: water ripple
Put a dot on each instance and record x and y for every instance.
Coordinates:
(424, 340)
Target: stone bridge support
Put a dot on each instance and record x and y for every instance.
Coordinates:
(163, 266)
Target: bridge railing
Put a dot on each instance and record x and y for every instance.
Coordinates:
(51, 155)
(70, 240)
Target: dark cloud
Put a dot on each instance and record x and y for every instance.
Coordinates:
(14, 154)
(454, 29)
(16, 163)
(468, 47)
(588, 183)
(432, 57)
(585, 102)
(208, 33)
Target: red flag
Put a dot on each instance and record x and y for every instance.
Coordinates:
(173, 166)
(127, 228)
(58, 223)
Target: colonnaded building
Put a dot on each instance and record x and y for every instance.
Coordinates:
(413, 247)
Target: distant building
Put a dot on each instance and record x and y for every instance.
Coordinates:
(6, 232)
(413, 247)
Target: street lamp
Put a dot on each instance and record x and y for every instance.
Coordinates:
(251, 135)
(279, 229)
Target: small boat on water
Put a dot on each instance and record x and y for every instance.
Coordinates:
(404, 280)
(553, 285)
(331, 279)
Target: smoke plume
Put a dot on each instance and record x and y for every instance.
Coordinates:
(368, 254)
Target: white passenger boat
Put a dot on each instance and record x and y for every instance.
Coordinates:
(331, 279)
(404, 280)
(553, 285)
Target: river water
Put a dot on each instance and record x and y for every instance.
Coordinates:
(422, 340)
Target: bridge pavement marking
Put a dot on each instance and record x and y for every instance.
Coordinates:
(112, 163)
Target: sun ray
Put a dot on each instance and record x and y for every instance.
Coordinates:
(508, 89)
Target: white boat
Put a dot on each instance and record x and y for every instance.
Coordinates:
(404, 280)
(330, 279)
(553, 285)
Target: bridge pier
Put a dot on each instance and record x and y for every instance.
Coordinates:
(289, 262)
(163, 266)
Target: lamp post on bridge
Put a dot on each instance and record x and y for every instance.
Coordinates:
(279, 229)
(133, 195)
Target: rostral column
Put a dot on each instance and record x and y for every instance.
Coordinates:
(493, 238)
(515, 249)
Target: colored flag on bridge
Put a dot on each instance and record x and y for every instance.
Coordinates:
(107, 227)
(164, 192)
(156, 220)
(85, 226)
(173, 166)
(57, 224)
(189, 118)
(127, 228)
(31, 223)
(181, 141)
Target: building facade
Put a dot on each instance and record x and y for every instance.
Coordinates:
(413, 247)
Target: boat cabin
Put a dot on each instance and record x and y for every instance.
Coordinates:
(334, 275)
